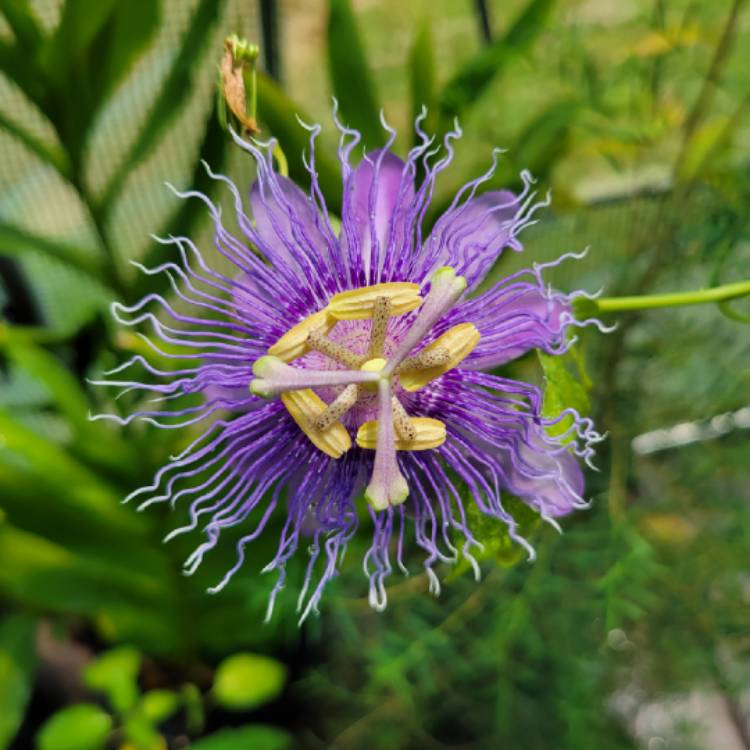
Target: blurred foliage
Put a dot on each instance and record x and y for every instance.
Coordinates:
(636, 116)
(133, 719)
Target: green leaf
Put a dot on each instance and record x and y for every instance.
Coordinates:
(213, 150)
(79, 24)
(115, 673)
(123, 39)
(46, 459)
(81, 727)
(158, 705)
(257, 737)
(563, 389)
(422, 71)
(17, 663)
(472, 79)
(142, 735)
(278, 113)
(94, 440)
(175, 90)
(18, 65)
(124, 602)
(52, 155)
(65, 390)
(15, 241)
(244, 681)
(350, 77)
(93, 47)
(492, 533)
(546, 138)
(20, 17)
(708, 141)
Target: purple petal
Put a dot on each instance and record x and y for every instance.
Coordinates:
(377, 199)
(292, 233)
(469, 237)
(513, 319)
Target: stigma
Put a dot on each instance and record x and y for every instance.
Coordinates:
(386, 372)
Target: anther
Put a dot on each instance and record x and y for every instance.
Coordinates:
(320, 343)
(426, 359)
(381, 312)
(402, 422)
(338, 407)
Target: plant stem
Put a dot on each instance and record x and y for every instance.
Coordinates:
(696, 297)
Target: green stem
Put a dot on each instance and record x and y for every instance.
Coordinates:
(696, 297)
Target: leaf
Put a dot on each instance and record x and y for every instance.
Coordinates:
(158, 705)
(257, 737)
(422, 72)
(79, 24)
(708, 141)
(141, 735)
(175, 90)
(472, 79)
(52, 155)
(46, 459)
(81, 727)
(244, 681)
(350, 77)
(18, 65)
(94, 440)
(492, 533)
(15, 241)
(65, 390)
(545, 139)
(17, 663)
(115, 673)
(20, 17)
(127, 33)
(92, 48)
(562, 390)
(125, 603)
(658, 42)
(213, 150)
(279, 114)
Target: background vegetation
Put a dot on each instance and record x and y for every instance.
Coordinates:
(631, 630)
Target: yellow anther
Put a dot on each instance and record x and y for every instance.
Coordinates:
(402, 422)
(459, 341)
(430, 433)
(338, 407)
(293, 343)
(333, 350)
(359, 304)
(305, 407)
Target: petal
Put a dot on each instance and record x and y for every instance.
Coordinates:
(291, 230)
(512, 319)
(377, 197)
(498, 422)
(470, 236)
(547, 479)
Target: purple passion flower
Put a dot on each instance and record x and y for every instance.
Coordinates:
(347, 371)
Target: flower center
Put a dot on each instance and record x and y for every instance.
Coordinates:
(358, 375)
(376, 364)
